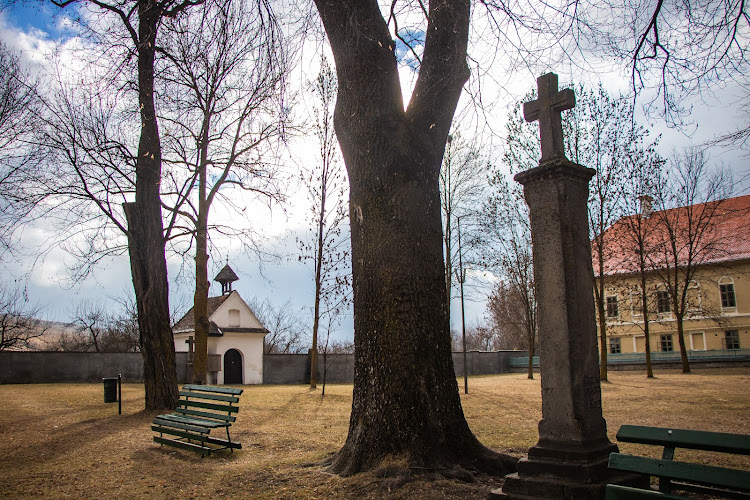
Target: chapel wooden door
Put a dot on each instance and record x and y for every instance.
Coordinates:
(232, 367)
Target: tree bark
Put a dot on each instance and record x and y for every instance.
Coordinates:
(200, 298)
(599, 296)
(318, 280)
(145, 233)
(681, 340)
(406, 400)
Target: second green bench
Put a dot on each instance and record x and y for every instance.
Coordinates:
(680, 476)
(200, 409)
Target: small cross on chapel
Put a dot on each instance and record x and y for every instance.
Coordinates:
(547, 109)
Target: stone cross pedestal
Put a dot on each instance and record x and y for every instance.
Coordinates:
(570, 459)
(190, 342)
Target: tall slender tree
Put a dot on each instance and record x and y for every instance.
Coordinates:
(463, 188)
(507, 231)
(329, 249)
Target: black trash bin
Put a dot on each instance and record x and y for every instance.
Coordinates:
(110, 390)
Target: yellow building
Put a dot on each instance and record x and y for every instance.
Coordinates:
(717, 312)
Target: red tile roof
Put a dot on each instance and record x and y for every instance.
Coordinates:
(725, 238)
(187, 323)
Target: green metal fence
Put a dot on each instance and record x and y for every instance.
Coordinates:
(656, 357)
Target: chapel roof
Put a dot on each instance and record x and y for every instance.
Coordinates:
(226, 275)
(187, 323)
(723, 239)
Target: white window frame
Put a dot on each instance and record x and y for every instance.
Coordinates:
(666, 314)
(612, 294)
(661, 342)
(619, 345)
(726, 280)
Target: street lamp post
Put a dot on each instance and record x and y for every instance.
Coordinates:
(461, 276)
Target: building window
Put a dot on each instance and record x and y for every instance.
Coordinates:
(615, 347)
(663, 304)
(732, 339)
(726, 290)
(665, 343)
(613, 310)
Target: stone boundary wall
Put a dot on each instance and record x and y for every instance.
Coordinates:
(41, 367)
(37, 367)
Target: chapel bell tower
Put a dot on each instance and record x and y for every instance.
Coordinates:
(226, 276)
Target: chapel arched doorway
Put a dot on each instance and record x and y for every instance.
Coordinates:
(232, 367)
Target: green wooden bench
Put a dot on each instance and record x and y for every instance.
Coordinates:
(200, 409)
(682, 476)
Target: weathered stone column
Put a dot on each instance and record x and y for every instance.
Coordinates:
(570, 459)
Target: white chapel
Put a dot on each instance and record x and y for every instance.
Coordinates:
(235, 336)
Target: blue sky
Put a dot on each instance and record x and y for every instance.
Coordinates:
(42, 16)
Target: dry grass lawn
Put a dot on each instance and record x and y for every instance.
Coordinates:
(62, 441)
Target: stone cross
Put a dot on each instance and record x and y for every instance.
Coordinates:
(190, 342)
(547, 109)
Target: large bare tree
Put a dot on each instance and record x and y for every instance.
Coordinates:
(692, 199)
(223, 113)
(128, 30)
(406, 400)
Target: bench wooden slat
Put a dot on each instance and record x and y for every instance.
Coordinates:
(210, 424)
(209, 406)
(181, 425)
(202, 437)
(211, 388)
(203, 450)
(738, 444)
(617, 492)
(224, 443)
(206, 414)
(206, 395)
(695, 473)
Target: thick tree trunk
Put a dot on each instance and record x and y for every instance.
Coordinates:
(318, 283)
(406, 400)
(200, 299)
(683, 349)
(146, 236)
(599, 296)
(644, 312)
(530, 374)
(448, 263)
